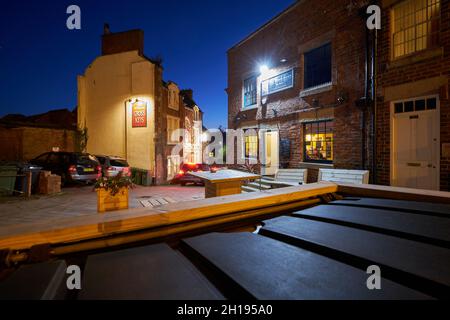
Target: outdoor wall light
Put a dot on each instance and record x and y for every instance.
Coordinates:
(263, 69)
(283, 60)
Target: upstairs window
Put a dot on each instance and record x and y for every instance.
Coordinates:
(249, 92)
(172, 125)
(318, 67)
(415, 26)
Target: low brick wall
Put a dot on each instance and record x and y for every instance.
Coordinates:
(26, 143)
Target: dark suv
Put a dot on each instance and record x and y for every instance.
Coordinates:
(71, 166)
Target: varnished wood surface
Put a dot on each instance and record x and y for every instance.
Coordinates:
(69, 230)
(225, 175)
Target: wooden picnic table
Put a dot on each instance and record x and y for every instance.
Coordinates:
(224, 182)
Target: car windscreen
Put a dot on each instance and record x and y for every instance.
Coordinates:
(86, 159)
(118, 163)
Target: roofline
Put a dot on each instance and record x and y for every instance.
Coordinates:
(251, 35)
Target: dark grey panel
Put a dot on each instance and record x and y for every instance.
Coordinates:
(271, 269)
(430, 227)
(408, 206)
(42, 281)
(420, 259)
(150, 272)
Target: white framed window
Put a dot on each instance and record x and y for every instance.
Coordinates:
(173, 124)
(415, 26)
(249, 92)
(174, 99)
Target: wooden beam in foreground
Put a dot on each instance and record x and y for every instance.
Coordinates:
(170, 216)
(396, 193)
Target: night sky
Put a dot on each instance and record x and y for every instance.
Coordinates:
(40, 58)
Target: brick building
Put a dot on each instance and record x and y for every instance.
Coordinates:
(413, 109)
(305, 82)
(129, 111)
(299, 80)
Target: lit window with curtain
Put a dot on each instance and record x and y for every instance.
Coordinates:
(251, 146)
(249, 92)
(318, 141)
(415, 26)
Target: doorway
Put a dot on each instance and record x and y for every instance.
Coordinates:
(270, 163)
(415, 132)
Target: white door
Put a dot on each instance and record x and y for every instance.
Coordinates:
(415, 137)
(173, 166)
(270, 163)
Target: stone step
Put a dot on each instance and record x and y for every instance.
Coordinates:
(258, 185)
(247, 189)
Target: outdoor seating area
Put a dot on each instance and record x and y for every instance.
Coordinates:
(294, 177)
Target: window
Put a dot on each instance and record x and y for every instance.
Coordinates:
(173, 99)
(318, 67)
(415, 26)
(280, 82)
(249, 92)
(172, 125)
(197, 114)
(415, 105)
(251, 146)
(318, 141)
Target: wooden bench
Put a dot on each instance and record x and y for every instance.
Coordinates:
(344, 176)
(288, 177)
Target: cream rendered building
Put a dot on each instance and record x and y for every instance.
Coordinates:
(123, 104)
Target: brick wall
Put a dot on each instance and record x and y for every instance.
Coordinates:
(26, 143)
(423, 73)
(289, 37)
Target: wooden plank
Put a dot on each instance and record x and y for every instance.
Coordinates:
(150, 272)
(419, 259)
(76, 229)
(343, 175)
(402, 205)
(397, 193)
(419, 227)
(42, 281)
(270, 269)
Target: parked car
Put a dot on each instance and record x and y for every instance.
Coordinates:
(71, 166)
(183, 177)
(111, 166)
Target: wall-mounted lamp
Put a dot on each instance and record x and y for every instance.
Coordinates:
(263, 69)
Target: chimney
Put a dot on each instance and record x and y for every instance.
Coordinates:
(132, 40)
(189, 93)
(106, 29)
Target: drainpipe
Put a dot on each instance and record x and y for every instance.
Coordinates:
(374, 101)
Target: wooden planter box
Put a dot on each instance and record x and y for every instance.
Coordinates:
(107, 202)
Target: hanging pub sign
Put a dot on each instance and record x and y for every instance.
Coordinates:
(139, 114)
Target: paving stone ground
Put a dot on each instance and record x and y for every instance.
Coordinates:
(81, 201)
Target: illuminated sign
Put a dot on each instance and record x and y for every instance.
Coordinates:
(139, 114)
(280, 82)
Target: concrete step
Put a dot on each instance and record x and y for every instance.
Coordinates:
(257, 185)
(247, 189)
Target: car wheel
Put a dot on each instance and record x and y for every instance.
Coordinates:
(183, 184)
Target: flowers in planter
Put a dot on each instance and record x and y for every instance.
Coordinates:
(114, 184)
